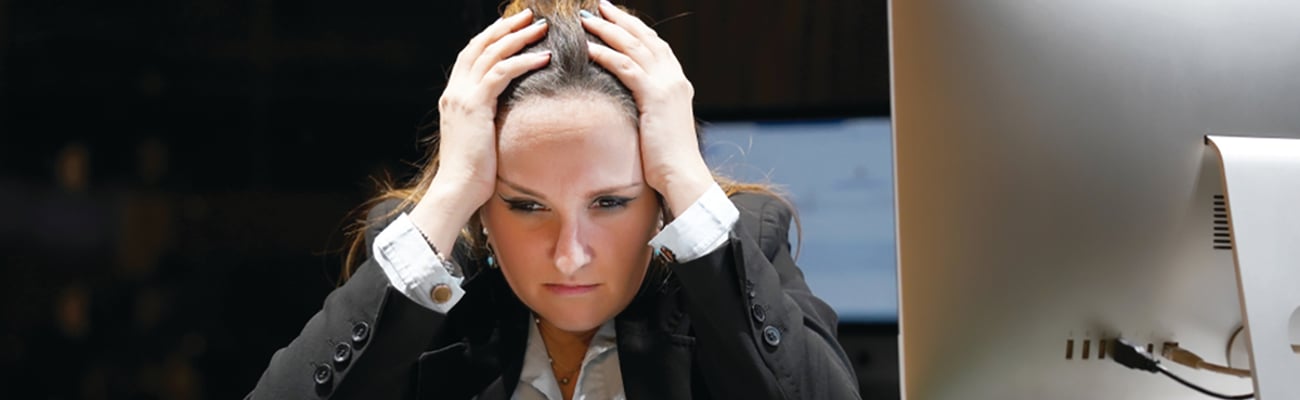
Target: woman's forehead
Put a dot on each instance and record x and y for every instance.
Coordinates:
(568, 146)
(568, 122)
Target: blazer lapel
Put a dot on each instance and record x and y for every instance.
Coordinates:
(653, 349)
(655, 363)
(514, 343)
(507, 336)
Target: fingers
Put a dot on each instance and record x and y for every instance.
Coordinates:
(625, 68)
(619, 38)
(467, 56)
(636, 55)
(630, 22)
(496, 79)
(508, 45)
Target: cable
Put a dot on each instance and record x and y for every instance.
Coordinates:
(1134, 357)
(1227, 353)
(1172, 352)
(1205, 391)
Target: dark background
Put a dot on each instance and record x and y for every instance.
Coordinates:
(176, 177)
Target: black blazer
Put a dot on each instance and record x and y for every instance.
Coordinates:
(738, 323)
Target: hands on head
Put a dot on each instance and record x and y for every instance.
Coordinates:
(646, 65)
(479, 91)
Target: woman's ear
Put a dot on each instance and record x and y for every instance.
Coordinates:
(664, 218)
(476, 229)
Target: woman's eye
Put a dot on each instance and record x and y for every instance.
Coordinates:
(524, 205)
(611, 202)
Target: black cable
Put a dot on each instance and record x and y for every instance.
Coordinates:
(1205, 391)
(1134, 357)
(1227, 353)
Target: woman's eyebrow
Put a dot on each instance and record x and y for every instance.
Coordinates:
(613, 189)
(520, 188)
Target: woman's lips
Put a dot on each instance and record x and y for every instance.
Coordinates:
(569, 290)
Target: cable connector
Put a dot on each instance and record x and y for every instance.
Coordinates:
(1136, 357)
(1133, 356)
(1179, 355)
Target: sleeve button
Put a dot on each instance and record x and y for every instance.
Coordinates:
(342, 354)
(323, 375)
(771, 335)
(758, 312)
(360, 333)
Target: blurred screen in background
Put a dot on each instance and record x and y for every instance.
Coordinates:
(839, 175)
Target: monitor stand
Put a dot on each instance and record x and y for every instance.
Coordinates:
(1261, 180)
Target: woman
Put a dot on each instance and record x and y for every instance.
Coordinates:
(567, 144)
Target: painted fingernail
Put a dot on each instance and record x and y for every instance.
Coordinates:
(585, 14)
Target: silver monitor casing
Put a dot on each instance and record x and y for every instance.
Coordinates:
(1054, 188)
(1263, 208)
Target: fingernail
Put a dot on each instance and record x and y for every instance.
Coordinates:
(539, 21)
(585, 14)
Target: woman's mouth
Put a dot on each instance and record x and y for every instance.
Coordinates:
(569, 290)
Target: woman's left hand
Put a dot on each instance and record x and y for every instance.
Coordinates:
(670, 153)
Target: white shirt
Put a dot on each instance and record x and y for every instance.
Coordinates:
(411, 267)
(600, 377)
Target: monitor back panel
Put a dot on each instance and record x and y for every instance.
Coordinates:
(1054, 190)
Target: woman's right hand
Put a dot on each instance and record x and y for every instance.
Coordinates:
(466, 176)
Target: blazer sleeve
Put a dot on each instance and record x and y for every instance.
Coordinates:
(363, 343)
(760, 332)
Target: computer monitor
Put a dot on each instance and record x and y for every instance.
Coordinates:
(838, 173)
(1054, 188)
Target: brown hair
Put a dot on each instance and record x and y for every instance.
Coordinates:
(570, 72)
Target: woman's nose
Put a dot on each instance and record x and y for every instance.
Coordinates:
(571, 251)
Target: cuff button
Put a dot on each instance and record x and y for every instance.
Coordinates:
(441, 293)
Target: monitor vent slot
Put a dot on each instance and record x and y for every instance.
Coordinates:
(1222, 231)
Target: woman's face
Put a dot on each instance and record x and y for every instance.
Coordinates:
(572, 214)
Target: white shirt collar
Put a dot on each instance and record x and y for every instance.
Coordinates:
(600, 376)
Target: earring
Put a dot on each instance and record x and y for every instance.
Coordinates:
(656, 252)
(491, 256)
(491, 260)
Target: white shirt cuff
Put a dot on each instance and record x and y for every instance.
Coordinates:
(411, 266)
(703, 228)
